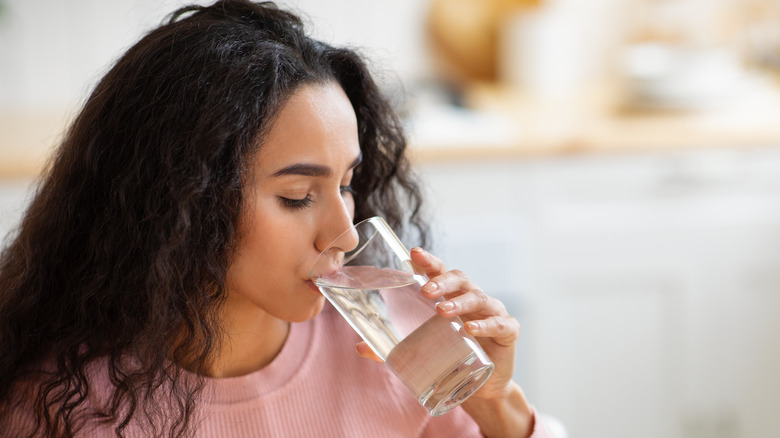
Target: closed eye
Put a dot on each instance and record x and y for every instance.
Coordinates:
(296, 203)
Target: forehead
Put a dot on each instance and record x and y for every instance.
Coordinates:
(316, 125)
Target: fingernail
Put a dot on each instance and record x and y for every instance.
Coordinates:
(430, 287)
(447, 306)
(474, 325)
(418, 249)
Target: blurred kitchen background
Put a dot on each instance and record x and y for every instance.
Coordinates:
(609, 168)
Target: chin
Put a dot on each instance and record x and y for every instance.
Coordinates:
(313, 308)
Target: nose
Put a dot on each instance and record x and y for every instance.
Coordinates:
(336, 237)
(336, 231)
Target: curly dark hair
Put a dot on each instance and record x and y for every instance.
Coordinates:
(123, 252)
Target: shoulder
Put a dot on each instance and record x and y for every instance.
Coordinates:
(17, 413)
(93, 391)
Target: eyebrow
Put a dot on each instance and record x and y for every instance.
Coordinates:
(316, 170)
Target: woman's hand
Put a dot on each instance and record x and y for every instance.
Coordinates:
(485, 318)
(499, 407)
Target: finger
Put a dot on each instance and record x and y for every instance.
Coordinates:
(504, 330)
(451, 282)
(429, 264)
(365, 351)
(474, 301)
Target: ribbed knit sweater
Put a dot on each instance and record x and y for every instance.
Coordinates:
(317, 386)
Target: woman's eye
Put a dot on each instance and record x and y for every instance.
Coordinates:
(296, 203)
(346, 189)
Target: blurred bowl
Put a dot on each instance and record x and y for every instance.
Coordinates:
(667, 76)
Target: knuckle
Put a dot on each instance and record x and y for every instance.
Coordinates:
(481, 297)
(503, 324)
(500, 324)
(458, 273)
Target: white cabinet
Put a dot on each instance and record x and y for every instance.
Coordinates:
(648, 286)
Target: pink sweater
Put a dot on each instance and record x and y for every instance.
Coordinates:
(317, 386)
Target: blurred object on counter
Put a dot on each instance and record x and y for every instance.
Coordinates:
(689, 55)
(666, 76)
(762, 34)
(563, 47)
(439, 117)
(464, 35)
(698, 23)
(459, 127)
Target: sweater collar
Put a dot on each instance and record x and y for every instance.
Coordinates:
(291, 361)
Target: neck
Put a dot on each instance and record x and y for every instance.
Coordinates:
(252, 339)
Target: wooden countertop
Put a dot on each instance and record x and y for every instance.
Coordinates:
(591, 123)
(598, 122)
(27, 139)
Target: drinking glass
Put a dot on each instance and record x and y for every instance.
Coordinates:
(368, 276)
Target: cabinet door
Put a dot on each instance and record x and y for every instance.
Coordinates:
(605, 353)
(646, 285)
(655, 296)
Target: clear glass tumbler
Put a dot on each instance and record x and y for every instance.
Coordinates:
(367, 275)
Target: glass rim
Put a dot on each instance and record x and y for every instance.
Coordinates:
(381, 227)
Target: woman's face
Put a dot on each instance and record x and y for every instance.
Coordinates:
(298, 202)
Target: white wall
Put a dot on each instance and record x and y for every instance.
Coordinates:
(53, 51)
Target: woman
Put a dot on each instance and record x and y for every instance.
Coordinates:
(158, 283)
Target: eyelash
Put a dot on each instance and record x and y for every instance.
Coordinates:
(307, 201)
(297, 203)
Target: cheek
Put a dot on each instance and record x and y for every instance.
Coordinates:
(267, 243)
(263, 262)
(259, 247)
(244, 268)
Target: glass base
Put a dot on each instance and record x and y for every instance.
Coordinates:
(456, 385)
